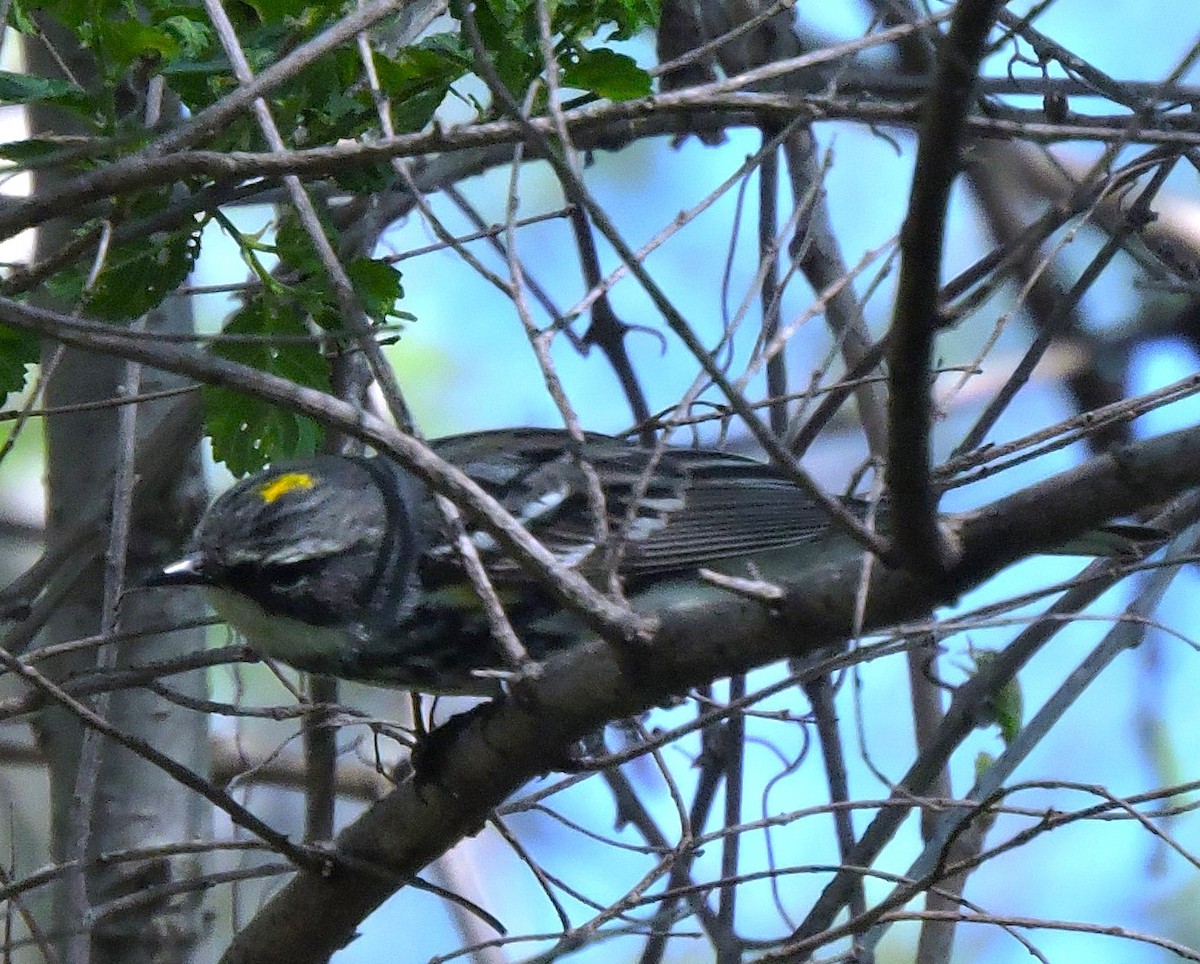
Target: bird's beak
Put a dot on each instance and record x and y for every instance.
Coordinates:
(188, 571)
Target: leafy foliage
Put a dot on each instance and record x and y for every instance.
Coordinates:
(122, 40)
(376, 283)
(139, 274)
(378, 287)
(508, 29)
(328, 101)
(28, 89)
(606, 74)
(418, 79)
(247, 432)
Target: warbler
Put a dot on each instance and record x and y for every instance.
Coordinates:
(343, 565)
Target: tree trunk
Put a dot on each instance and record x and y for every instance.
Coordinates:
(105, 799)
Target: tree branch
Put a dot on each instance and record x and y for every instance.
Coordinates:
(917, 539)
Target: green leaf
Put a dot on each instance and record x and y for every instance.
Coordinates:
(1008, 704)
(20, 20)
(448, 45)
(509, 32)
(192, 36)
(323, 103)
(630, 16)
(137, 275)
(28, 89)
(18, 350)
(366, 178)
(1005, 705)
(378, 286)
(124, 41)
(578, 19)
(417, 80)
(294, 247)
(247, 432)
(607, 73)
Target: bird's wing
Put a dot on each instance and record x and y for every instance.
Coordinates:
(667, 511)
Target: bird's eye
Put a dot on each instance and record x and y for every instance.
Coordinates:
(300, 590)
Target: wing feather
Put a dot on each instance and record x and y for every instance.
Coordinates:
(676, 509)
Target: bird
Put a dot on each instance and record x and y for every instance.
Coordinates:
(343, 565)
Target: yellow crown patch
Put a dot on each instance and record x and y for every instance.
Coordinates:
(281, 485)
